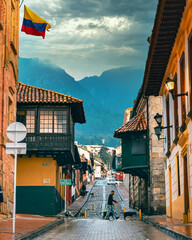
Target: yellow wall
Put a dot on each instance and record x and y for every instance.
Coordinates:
(178, 207)
(32, 172)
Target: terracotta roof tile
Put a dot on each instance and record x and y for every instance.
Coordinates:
(30, 94)
(137, 123)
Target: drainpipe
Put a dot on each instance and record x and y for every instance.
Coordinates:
(148, 157)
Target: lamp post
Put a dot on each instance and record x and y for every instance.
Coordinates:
(158, 129)
(170, 85)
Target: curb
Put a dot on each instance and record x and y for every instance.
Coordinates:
(41, 230)
(78, 211)
(169, 232)
(120, 196)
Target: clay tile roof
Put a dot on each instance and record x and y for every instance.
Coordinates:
(167, 22)
(27, 94)
(137, 123)
(30, 94)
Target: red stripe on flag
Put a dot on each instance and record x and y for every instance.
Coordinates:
(32, 31)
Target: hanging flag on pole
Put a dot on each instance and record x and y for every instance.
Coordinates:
(33, 24)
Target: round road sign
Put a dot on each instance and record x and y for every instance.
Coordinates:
(16, 132)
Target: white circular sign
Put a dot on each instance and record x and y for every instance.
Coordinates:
(16, 132)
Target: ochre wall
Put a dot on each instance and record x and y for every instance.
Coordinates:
(31, 171)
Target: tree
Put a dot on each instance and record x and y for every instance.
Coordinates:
(105, 156)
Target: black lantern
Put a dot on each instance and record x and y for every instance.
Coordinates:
(158, 119)
(158, 131)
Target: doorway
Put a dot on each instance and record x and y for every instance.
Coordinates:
(170, 192)
(186, 185)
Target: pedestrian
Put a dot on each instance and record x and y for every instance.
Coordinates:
(110, 206)
(83, 190)
(1, 196)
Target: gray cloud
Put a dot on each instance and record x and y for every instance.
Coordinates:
(90, 36)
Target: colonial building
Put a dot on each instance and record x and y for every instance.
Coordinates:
(88, 155)
(51, 154)
(9, 41)
(172, 43)
(142, 156)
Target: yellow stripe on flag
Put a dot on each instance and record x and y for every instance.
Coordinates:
(30, 15)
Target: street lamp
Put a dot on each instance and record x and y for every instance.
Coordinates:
(158, 129)
(170, 85)
(158, 118)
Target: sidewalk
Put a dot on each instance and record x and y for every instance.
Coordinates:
(23, 225)
(173, 227)
(30, 226)
(76, 206)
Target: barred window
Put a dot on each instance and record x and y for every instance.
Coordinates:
(30, 121)
(46, 121)
(53, 121)
(60, 122)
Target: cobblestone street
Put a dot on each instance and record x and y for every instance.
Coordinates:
(94, 227)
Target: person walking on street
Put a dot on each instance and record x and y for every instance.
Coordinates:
(110, 206)
(83, 190)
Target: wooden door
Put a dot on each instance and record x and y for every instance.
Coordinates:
(170, 192)
(186, 185)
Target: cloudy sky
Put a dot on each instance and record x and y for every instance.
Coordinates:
(90, 36)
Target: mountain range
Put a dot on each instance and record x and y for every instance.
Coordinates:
(105, 97)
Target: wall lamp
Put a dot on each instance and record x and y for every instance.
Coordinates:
(170, 85)
(158, 129)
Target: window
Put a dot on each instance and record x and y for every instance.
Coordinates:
(178, 176)
(168, 122)
(190, 68)
(182, 84)
(10, 111)
(60, 121)
(46, 121)
(138, 147)
(176, 108)
(30, 121)
(53, 121)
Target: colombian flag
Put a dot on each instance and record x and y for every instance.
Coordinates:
(33, 24)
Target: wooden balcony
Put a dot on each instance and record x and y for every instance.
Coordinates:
(60, 147)
(134, 157)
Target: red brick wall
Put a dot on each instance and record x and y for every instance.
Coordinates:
(8, 81)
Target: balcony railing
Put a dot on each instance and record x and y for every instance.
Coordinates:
(49, 142)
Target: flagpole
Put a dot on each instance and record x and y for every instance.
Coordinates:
(21, 3)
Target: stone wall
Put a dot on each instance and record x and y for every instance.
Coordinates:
(153, 194)
(156, 153)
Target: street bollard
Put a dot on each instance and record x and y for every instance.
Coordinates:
(140, 214)
(85, 213)
(113, 205)
(124, 214)
(92, 207)
(105, 210)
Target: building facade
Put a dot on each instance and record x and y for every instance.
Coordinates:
(175, 85)
(142, 156)
(9, 47)
(51, 154)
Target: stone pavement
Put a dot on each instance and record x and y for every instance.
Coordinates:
(97, 229)
(171, 226)
(33, 225)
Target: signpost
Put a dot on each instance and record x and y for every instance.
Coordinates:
(65, 182)
(16, 132)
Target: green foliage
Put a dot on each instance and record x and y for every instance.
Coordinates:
(105, 156)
